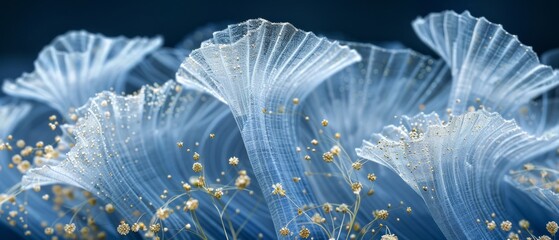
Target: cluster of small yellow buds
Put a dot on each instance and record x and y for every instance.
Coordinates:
(356, 187)
(524, 224)
(372, 177)
(123, 228)
(49, 231)
(491, 225)
(199, 182)
(506, 226)
(343, 208)
(327, 207)
(243, 180)
(317, 218)
(381, 214)
(186, 187)
(233, 161)
(197, 167)
(284, 231)
(191, 204)
(155, 228)
(513, 236)
(278, 189)
(70, 228)
(552, 227)
(304, 232)
(335, 150)
(163, 213)
(109, 208)
(389, 237)
(357, 165)
(218, 193)
(328, 157)
(324, 122)
(20, 143)
(140, 226)
(24, 166)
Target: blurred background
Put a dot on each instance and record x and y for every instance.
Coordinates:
(27, 26)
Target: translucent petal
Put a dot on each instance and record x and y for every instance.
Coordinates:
(456, 167)
(28, 212)
(11, 114)
(386, 83)
(126, 153)
(490, 67)
(158, 67)
(257, 68)
(77, 65)
(551, 58)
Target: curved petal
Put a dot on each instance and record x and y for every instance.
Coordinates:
(11, 114)
(158, 67)
(257, 68)
(457, 167)
(126, 153)
(77, 65)
(29, 213)
(358, 101)
(490, 67)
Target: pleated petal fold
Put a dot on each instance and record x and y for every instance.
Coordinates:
(258, 68)
(352, 105)
(77, 65)
(457, 167)
(137, 152)
(490, 67)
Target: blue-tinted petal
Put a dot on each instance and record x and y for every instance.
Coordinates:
(126, 153)
(258, 68)
(158, 67)
(29, 213)
(77, 65)
(457, 167)
(358, 101)
(11, 115)
(490, 67)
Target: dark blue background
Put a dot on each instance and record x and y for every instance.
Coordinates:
(27, 26)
